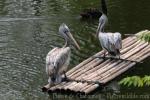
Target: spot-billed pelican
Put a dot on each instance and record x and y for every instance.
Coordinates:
(110, 42)
(57, 60)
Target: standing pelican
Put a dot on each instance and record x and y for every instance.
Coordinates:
(110, 42)
(57, 60)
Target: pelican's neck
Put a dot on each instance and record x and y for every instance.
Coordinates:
(66, 43)
(101, 30)
(103, 22)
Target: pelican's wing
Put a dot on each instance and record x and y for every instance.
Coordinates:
(50, 59)
(103, 40)
(63, 59)
(117, 40)
(55, 59)
(106, 41)
(110, 45)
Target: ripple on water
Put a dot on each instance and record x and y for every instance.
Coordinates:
(20, 65)
(26, 37)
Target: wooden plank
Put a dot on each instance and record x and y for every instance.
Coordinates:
(91, 65)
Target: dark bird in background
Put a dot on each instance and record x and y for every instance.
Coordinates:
(90, 13)
(93, 12)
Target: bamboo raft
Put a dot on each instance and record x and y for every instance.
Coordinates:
(103, 71)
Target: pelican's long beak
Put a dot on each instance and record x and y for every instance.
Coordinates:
(73, 40)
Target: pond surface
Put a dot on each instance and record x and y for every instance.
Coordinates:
(28, 30)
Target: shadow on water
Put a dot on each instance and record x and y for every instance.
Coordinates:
(28, 30)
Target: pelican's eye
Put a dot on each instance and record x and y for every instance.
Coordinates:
(65, 31)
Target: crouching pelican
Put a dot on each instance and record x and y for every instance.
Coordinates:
(110, 42)
(57, 60)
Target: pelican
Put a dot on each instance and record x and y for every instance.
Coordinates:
(110, 42)
(57, 60)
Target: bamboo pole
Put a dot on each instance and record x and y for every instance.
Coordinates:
(145, 31)
(110, 75)
(91, 66)
(45, 88)
(126, 49)
(86, 68)
(100, 71)
(92, 88)
(82, 64)
(89, 89)
(81, 90)
(141, 56)
(121, 71)
(140, 46)
(129, 40)
(85, 87)
(93, 62)
(69, 85)
(56, 86)
(77, 87)
(83, 76)
(142, 32)
(93, 69)
(108, 72)
(62, 85)
(80, 87)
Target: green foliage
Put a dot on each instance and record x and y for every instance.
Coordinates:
(146, 80)
(136, 81)
(145, 36)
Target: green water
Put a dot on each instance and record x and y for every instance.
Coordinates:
(28, 30)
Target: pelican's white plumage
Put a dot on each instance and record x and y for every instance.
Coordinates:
(57, 60)
(110, 42)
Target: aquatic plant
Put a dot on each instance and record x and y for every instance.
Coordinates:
(136, 81)
(145, 36)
